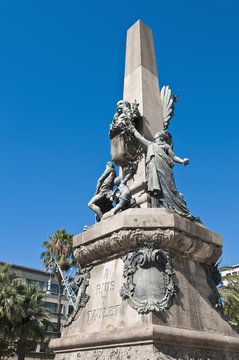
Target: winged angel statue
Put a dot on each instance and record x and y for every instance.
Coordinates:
(160, 159)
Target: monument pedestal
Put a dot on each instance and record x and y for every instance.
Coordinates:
(151, 289)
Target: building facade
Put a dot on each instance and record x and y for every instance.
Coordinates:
(234, 270)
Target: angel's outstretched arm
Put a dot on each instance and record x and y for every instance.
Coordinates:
(141, 139)
(176, 158)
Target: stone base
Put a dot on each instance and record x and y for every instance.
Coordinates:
(148, 352)
(110, 325)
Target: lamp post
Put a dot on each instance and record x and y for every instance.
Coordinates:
(48, 292)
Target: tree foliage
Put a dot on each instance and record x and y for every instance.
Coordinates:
(229, 291)
(11, 300)
(59, 248)
(22, 314)
(32, 325)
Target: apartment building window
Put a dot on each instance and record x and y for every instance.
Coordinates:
(54, 289)
(52, 307)
(39, 284)
(232, 273)
(52, 328)
(70, 309)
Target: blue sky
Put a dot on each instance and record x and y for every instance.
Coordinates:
(61, 74)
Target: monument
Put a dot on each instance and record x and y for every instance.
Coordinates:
(147, 277)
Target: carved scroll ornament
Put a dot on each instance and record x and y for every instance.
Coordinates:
(81, 280)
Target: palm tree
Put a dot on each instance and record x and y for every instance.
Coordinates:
(22, 314)
(58, 249)
(31, 327)
(11, 301)
(229, 291)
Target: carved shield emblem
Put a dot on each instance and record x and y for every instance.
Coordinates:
(149, 284)
(123, 152)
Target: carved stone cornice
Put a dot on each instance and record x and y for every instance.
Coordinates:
(146, 219)
(158, 334)
(177, 242)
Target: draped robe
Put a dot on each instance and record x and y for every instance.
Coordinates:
(160, 179)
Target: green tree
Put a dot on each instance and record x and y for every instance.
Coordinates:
(229, 291)
(58, 249)
(22, 314)
(11, 300)
(7, 347)
(31, 327)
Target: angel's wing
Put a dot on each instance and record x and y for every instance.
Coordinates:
(167, 103)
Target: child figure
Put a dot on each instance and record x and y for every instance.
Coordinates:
(122, 195)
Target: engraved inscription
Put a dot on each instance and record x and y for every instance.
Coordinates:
(104, 287)
(104, 312)
(106, 274)
(104, 291)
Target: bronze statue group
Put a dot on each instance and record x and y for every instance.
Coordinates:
(159, 161)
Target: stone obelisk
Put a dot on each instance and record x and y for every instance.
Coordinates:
(146, 279)
(141, 78)
(141, 84)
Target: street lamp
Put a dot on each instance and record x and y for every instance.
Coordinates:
(49, 286)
